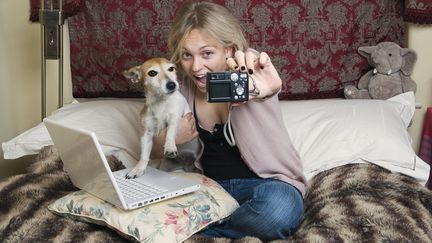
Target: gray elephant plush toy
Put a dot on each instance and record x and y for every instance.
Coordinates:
(390, 76)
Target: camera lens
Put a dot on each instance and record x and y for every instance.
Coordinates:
(234, 77)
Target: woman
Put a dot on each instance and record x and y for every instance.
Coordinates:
(256, 164)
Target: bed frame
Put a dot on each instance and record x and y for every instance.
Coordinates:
(52, 21)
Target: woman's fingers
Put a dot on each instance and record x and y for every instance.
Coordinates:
(265, 78)
(239, 57)
(191, 120)
(232, 64)
(244, 61)
(187, 129)
(264, 60)
(251, 61)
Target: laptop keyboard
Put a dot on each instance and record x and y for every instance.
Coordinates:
(135, 189)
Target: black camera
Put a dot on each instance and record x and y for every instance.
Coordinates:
(227, 87)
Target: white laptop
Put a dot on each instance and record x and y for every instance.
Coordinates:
(88, 169)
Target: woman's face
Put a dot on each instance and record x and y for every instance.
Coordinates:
(203, 54)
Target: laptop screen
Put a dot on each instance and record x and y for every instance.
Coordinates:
(83, 160)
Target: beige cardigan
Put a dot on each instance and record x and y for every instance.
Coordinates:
(262, 139)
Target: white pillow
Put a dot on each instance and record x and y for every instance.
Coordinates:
(326, 133)
(333, 132)
(115, 122)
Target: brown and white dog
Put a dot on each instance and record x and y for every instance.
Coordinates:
(164, 107)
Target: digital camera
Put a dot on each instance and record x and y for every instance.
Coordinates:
(230, 86)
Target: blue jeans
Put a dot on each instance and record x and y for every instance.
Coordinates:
(269, 209)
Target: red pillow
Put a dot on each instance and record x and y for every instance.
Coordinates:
(313, 44)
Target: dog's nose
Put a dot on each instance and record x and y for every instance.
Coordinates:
(171, 86)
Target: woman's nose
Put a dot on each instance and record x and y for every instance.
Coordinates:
(196, 65)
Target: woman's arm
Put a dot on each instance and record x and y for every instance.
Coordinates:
(186, 131)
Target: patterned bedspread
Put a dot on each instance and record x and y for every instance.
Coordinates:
(351, 203)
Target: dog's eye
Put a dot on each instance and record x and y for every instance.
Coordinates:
(152, 73)
(390, 55)
(171, 69)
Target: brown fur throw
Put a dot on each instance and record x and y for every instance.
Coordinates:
(351, 203)
(24, 200)
(361, 203)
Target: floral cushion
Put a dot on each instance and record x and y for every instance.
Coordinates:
(173, 220)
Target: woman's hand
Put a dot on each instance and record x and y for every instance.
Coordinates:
(264, 80)
(187, 129)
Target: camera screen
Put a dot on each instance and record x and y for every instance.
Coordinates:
(221, 90)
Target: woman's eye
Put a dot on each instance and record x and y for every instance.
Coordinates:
(171, 69)
(208, 53)
(186, 55)
(152, 73)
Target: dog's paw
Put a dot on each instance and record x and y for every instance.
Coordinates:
(135, 173)
(170, 151)
(171, 154)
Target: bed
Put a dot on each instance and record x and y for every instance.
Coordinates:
(365, 182)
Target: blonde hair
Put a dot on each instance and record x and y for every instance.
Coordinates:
(211, 17)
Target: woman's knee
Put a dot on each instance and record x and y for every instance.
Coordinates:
(285, 208)
(279, 198)
(278, 209)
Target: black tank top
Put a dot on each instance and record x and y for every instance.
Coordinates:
(219, 160)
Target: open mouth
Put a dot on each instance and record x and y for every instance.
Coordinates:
(201, 80)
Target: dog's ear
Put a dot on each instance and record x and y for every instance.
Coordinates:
(133, 74)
